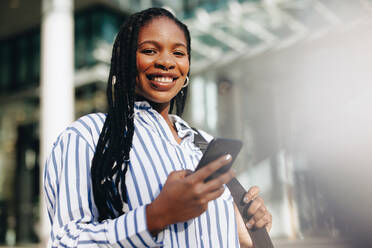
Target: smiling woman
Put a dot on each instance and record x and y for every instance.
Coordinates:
(122, 179)
(162, 61)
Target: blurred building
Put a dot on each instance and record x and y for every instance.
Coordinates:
(282, 75)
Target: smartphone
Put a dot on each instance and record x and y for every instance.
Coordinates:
(217, 148)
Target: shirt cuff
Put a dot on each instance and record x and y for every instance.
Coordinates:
(131, 228)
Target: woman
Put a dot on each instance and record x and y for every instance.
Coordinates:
(121, 179)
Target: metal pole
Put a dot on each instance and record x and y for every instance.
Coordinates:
(57, 83)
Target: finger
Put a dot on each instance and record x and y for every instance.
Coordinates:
(265, 220)
(215, 194)
(259, 215)
(218, 182)
(255, 205)
(251, 194)
(250, 223)
(213, 166)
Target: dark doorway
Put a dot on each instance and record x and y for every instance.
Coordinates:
(26, 197)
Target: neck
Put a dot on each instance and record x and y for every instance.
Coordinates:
(162, 109)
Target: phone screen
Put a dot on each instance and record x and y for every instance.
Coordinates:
(217, 148)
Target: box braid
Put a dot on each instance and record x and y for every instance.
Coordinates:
(111, 158)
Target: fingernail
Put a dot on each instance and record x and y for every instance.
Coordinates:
(249, 226)
(227, 157)
(246, 199)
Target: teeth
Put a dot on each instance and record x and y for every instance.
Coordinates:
(163, 79)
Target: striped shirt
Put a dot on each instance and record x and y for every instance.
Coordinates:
(154, 155)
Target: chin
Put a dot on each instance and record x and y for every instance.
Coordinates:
(158, 97)
(160, 100)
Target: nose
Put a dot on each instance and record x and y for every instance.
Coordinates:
(165, 62)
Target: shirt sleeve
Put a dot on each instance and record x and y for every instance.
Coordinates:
(71, 210)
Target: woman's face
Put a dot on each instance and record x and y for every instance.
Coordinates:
(162, 60)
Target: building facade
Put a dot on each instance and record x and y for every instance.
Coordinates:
(262, 71)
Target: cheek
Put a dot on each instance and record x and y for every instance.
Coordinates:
(184, 66)
(142, 63)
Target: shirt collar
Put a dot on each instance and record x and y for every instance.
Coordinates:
(183, 129)
(141, 105)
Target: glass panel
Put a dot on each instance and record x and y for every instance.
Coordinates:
(209, 40)
(21, 63)
(110, 27)
(195, 56)
(80, 40)
(189, 7)
(278, 27)
(90, 38)
(96, 29)
(4, 66)
(92, 27)
(197, 101)
(35, 58)
(135, 5)
(304, 11)
(203, 101)
(157, 3)
(240, 33)
(26, 190)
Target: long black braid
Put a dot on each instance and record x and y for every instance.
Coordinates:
(111, 158)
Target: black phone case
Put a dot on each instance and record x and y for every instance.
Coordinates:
(217, 148)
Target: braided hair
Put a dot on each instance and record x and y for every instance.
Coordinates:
(111, 158)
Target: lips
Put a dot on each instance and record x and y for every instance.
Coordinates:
(162, 81)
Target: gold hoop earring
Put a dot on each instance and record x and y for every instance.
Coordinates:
(187, 82)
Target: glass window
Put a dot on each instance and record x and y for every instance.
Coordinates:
(20, 62)
(35, 58)
(110, 26)
(211, 41)
(4, 66)
(239, 32)
(80, 40)
(94, 35)
(92, 27)
(203, 100)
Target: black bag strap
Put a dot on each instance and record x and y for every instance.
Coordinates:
(200, 141)
(259, 236)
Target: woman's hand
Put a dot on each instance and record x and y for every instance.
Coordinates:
(261, 217)
(186, 196)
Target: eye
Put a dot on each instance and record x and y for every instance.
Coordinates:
(148, 51)
(179, 53)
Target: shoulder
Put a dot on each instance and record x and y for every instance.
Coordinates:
(87, 127)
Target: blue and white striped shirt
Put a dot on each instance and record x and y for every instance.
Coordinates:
(154, 155)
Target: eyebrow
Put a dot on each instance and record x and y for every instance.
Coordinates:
(157, 43)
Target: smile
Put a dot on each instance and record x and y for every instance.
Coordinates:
(162, 81)
(162, 77)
